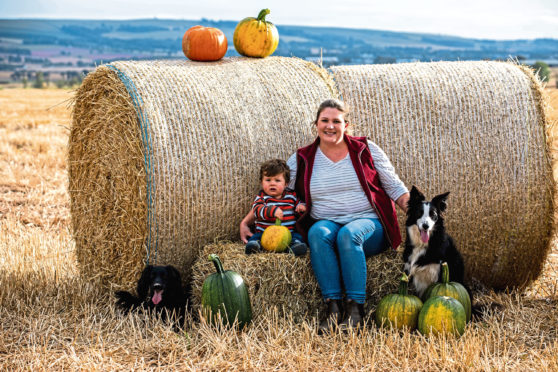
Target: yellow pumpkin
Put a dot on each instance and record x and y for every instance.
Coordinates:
(276, 238)
(256, 37)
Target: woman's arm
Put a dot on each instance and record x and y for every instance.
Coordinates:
(291, 163)
(245, 224)
(392, 184)
(403, 202)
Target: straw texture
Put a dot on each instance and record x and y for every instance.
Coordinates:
(475, 129)
(107, 183)
(286, 282)
(164, 155)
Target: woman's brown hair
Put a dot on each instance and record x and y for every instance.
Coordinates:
(335, 104)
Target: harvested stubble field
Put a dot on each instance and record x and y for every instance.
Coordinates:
(51, 319)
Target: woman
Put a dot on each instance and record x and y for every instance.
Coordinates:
(348, 185)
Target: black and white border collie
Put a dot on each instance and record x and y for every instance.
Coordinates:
(427, 244)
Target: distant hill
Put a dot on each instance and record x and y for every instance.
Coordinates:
(77, 44)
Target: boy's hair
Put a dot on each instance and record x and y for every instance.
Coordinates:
(273, 167)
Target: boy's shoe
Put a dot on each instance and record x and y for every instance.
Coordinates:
(253, 246)
(298, 248)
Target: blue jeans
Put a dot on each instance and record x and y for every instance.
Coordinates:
(338, 254)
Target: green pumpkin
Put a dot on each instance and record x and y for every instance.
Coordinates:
(442, 314)
(225, 293)
(399, 310)
(451, 289)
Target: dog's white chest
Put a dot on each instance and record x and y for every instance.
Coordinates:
(419, 248)
(422, 276)
(410, 265)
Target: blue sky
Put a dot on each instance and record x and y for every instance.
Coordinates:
(498, 19)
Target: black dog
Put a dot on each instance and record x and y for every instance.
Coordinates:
(159, 288)
(428, 244)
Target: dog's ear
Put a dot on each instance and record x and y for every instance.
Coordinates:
(143, 282)
(440, 201)
(174, 277)
(416, 194)
(173, 273)
(415, 197)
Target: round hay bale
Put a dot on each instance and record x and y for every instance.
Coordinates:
(286, 282)
(476, 129)
(164, 155)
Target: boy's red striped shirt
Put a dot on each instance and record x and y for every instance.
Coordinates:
(264, 208)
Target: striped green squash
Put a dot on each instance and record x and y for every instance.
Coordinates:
(399, 310)
(442, 314)
(451, 289)
(225, 296)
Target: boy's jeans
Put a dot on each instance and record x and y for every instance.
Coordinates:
(296, 237)
(339, 252)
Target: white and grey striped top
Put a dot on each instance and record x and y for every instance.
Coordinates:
(336, 192)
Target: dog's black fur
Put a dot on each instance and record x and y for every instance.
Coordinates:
(158, 289)
(427, 244)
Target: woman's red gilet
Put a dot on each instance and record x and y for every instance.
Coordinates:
(369, 180)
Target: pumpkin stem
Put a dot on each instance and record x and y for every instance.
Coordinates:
(403, 284)
(445, 273)
(277, 222)
(262, 14)
(217, 262)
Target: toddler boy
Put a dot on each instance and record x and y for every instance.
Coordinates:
(274, 201)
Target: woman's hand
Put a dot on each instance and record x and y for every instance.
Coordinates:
(245, 224)
(403, 201)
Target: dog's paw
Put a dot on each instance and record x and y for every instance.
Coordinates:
(125, 300)
(406, 269)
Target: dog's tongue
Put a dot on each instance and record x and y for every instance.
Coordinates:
(424, 236)
(157, 297)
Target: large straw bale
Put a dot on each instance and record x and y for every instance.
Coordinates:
(287, 282)
(476, 129)
(164, 155)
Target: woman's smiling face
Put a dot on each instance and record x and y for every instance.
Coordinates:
(331, 126)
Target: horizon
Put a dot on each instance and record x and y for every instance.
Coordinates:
(478, 19)
(123, 19)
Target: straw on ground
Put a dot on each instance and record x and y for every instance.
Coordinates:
(51, 319)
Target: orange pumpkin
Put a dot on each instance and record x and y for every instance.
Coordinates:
(201, 43)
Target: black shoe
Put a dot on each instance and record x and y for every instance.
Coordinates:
(298, 249)
(253, 246)
(354, 316)
(332, 318)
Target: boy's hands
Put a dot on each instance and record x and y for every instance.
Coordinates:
(245, 231)
(301, 208)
